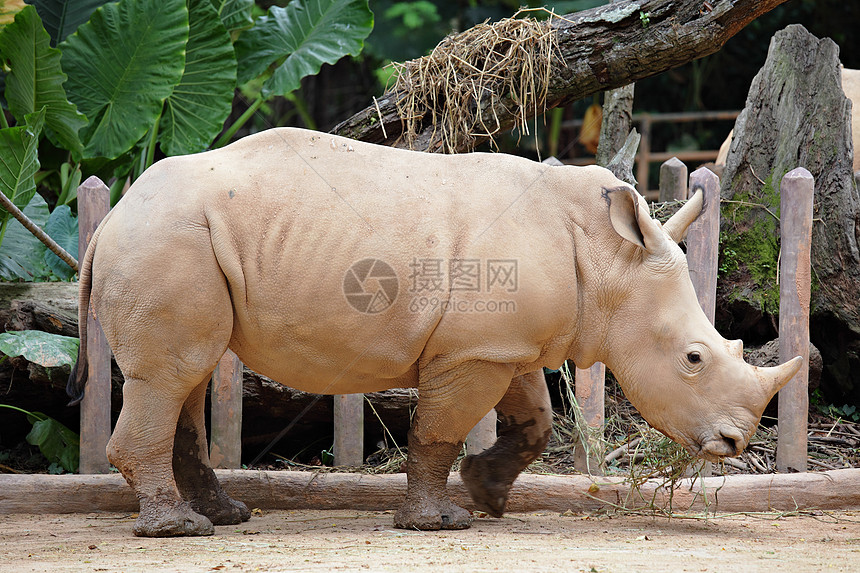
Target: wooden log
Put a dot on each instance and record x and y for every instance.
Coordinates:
(703, 240)
(93, 205)
(600, 49)
(673, 180)
(589, 392)
(483, 435)
(348, 430)
(225, 450)
(795, 272)
(836, 489)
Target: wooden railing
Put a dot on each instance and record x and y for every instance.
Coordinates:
(646, 156)
(702, 248)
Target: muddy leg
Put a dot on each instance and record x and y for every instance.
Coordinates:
(192, 470)
(525, 423)
(142, 449)
(450, 403)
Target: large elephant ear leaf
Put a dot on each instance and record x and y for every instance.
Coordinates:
(19, 148)
(195, 112)
(62, 17)
(234, 14)
(122, 64)
(63, 228)
(22, 254)
(36, 79)
(300, 38)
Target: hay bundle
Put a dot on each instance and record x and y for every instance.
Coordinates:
(468, 76)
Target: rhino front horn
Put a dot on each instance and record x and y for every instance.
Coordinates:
(773, 378)
(677, 224)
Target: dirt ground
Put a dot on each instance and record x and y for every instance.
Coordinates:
(362, 540)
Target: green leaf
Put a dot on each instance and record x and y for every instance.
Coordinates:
(44, 348)
(63, 228)
(300, 38)
(235, 14)
(122, 64)
(62, 17)
(194, 114)
(36, 79)
(22, 254)
(57, 443)
(19, 152)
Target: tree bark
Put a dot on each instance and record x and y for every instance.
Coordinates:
(600, 49)
(617, 123)
(796, 115)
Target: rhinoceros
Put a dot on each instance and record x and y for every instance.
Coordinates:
(336, 267)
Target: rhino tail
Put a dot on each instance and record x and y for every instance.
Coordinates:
(78, 377)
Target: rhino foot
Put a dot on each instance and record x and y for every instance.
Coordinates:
(222, 511)
(487, 485)
(430, 517)
(159, 518)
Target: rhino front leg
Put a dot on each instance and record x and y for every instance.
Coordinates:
(525, 424)
(192, 469)
(141, 448)
(450, 403)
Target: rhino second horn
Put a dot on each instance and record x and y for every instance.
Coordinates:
(677, 224)
(773, 378)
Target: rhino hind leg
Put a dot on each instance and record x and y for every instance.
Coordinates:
(192, 469)
(451, 401)
(525, 424)
(141, 448)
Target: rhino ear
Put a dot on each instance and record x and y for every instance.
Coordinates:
(630, 220)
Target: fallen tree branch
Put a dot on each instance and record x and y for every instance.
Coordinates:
(38, 493)
(599, 49)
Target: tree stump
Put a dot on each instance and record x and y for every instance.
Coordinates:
(796, 115)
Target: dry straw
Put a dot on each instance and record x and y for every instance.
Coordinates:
(470, 77)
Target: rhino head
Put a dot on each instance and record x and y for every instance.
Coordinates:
(683, 377)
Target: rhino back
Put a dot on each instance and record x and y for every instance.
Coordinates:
(291, 214)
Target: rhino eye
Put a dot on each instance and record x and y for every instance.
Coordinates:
(694, 357)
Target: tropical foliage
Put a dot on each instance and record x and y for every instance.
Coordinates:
(98, 88)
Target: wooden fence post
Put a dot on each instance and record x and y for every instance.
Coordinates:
(225, 450)
(703, 240)
(673, 180)
(589, 392)
(795, 204)
(348, 430)
(483, 435)
(93, 205)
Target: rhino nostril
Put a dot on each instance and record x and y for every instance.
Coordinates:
(733, 443)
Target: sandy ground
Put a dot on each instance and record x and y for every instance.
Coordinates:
(361, 540)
